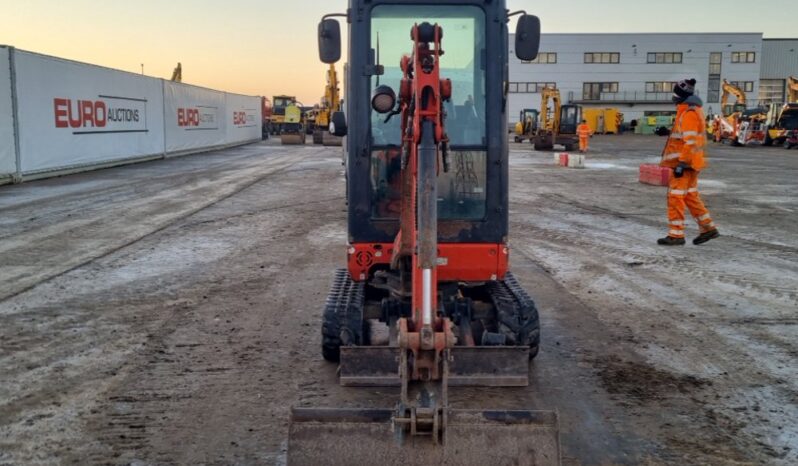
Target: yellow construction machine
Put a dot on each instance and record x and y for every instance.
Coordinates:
(279, 104)
(731, 113)
(177, 73)
(330, 103)
(782, 119)
(527, 124)
(292, 128)
(558, 123)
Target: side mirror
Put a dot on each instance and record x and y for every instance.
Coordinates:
(338, 124)
(329, 41)
(527, 37)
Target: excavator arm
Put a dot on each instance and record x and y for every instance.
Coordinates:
(177, 73)
(550, 123)
(728, 90)
(792, 90)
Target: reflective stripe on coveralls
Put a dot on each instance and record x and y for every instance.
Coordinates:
(683, 192)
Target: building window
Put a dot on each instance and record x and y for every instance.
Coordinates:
(713, 84)
(746, 86)
(771, 91)
(529, 88)
(602, 57)
(659, 86)
(743, 57)
(593, 91)
(544, 58)
(664, 57)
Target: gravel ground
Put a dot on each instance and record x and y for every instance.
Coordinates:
(169, 312)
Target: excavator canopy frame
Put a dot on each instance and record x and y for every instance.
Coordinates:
(412, 432)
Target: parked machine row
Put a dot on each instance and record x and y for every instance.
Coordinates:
(738, 125)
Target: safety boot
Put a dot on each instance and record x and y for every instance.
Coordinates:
(671, 241)
(706, 236)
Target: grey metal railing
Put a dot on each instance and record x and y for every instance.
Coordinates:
(631, 97)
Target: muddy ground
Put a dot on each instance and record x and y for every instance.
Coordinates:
(168, 312)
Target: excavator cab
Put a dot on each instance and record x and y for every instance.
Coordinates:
(570, 118)
(527, 124)
(426, 300)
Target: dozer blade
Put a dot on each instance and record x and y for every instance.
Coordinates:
(473, 366)
(366, 436)
(291, 139)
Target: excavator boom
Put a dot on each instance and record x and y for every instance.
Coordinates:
(792, 90)
(731, 113)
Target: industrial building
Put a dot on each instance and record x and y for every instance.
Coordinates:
(635, 72)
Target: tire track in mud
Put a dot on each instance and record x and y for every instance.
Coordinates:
(276, 167)
(113, 184)
(719, 430)
(197, 343)
(683, 265)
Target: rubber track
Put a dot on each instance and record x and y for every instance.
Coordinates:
(516, 314)
(342, 320)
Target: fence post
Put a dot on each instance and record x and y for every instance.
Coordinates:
(163, 113)
(12, 66)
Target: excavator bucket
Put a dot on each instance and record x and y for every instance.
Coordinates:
(470, 437)
(367, 436)
(292, 139)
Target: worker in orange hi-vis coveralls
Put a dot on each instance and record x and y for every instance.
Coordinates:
(584, 132)
(716, 128)
(684, 153)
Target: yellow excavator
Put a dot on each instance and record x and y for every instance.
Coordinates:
(330, 103)
(783, 118)
(527, 124)
(558, 124)
(731, 113)
(177, 73)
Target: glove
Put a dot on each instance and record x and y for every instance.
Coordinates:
(678, 172)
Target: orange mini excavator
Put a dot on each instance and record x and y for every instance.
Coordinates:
(426, 300)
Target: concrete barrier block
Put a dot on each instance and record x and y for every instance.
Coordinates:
(654, 174)
(576, 161)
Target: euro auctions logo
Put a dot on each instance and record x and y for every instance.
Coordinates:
(197, 118)
(105, 114)
(244, 118)
(188, 117)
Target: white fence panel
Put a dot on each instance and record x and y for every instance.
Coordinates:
(194, 117)
(73, 114)
(8, 157)
(243, 118)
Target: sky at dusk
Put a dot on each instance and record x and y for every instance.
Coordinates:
(265, 47)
